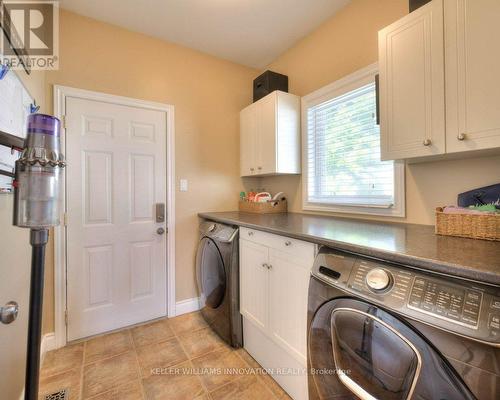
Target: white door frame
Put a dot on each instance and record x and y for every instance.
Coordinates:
(61, 93)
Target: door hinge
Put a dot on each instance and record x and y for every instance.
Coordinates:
(63, 120)
(65, 219)
(66, 317)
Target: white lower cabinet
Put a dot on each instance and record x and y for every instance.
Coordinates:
(274, 273)
(254, 283)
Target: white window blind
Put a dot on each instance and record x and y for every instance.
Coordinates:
(343, 153)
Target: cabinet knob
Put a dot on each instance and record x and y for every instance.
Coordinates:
(252, 169)
(250, 233)
(462, 136)
(259, 167)
(269, 266)
(288, 243)
(427, 142)
(265, 265)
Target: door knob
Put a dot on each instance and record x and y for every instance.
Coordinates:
(8, 313)
(160, 231)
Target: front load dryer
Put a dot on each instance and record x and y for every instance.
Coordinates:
(217, 276)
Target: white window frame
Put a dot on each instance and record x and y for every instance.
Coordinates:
(351, 82)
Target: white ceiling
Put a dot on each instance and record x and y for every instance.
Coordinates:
(248, 32)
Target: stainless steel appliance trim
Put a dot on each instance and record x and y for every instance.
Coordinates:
(352, 385)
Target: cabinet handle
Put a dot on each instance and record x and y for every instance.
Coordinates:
(288, 243)
(462, 136)
(250, 233)
(265, 265)
(427, 142)
(269, 266)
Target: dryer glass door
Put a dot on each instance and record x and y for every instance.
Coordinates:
(372, 359)
(359, 351)
(210, 273)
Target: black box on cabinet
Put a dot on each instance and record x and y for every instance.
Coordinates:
(267, 83)
(414, 4)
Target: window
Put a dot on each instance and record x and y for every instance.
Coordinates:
(343, 170)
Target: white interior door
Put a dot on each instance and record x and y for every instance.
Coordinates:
(116, 260)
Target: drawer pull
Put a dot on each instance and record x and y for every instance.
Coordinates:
(288, 243)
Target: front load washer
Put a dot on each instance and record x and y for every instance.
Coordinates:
(382, 331)
(217, 275)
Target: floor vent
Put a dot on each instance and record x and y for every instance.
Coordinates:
(60, 395)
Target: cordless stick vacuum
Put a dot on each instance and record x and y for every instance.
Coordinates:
(37, 192)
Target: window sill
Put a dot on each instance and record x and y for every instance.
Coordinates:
(387, 212)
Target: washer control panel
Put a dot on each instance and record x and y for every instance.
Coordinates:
(378, 279)
(454, 304)
(372, 277)
(468, 308)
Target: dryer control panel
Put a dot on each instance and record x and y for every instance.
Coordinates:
(467, 308)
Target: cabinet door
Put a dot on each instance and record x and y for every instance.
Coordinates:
(266, 135)
(288, 285)
(411, 62)
(472, 30)
(248, 127)
(254, 286)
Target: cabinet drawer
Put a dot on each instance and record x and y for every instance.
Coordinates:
(304, 251)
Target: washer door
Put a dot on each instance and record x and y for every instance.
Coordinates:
(358, 350)
(210, 273)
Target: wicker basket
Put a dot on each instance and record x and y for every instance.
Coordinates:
(270, 207)
(474, 226)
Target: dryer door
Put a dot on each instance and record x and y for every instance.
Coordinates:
(358, 350)
(210, 273)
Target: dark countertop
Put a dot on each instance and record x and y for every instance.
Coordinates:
(410, 244)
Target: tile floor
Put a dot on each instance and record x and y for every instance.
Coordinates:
(174, 359)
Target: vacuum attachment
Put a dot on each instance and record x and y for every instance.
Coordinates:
(37, 184)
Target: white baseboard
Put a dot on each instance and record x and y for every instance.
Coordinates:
(187, 306)
(48, 344)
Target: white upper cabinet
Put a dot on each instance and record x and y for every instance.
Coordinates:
(472, 33)
(440, 80)
(270, 136)
(412, 102)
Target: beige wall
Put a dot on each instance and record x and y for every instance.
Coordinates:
(207, 93)
(344, 44)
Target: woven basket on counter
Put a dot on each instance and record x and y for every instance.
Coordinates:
(270, 207)
(476, 226)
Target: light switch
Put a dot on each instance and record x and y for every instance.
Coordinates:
(183, 185)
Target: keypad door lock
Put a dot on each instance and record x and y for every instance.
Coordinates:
(9, 312)
(160, 212)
